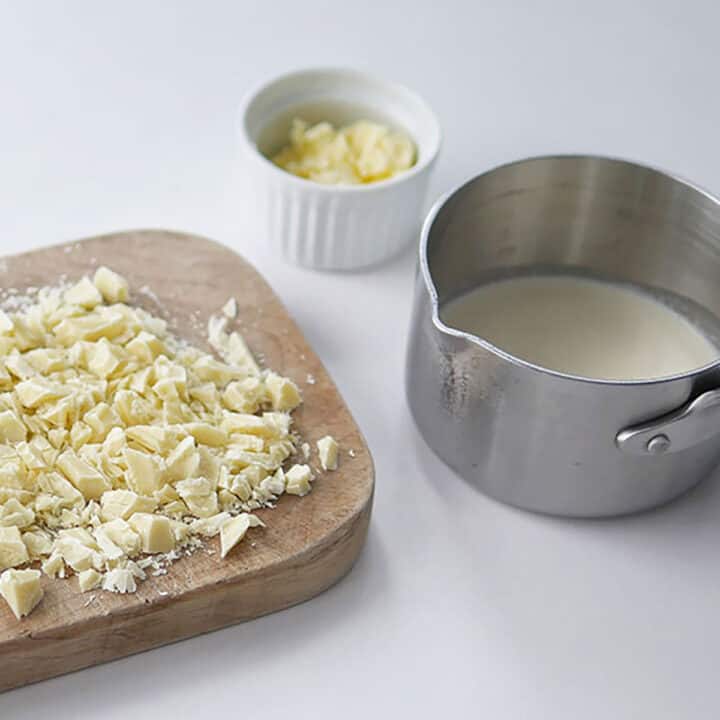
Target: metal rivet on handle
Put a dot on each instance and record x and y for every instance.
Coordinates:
(658, 445)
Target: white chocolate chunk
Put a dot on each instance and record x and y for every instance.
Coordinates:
(12, 549)
(328, 452)
(298, 479)
(229, 309)
(145, 472)
(11, 428)
(113, 287)
(124, 503)
(6, 324)
(233, 531)
(119, 580)
(21, 590)
(89, 579)
(284, 393)
(83, 293)
(155, 532)
(89, 481)
(54, 566)
(14, 513)
(209, 527)
(121, 534)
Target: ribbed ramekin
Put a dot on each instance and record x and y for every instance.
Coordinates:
(336, 227)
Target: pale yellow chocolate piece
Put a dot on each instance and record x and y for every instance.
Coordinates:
(83, 293)
(21, 590)
(298, 479)
(89, 579)
(155, 532)
(124, 503)
(12, 549)
(89, 481)
(114, 287)
(233, 531)
(11, 428)
(284, 393)
(328, 452)
(229, 309)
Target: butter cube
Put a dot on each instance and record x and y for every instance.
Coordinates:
(11, 427)
(89, 579)
(233, 531)
(113, 287)
(328, 452)
(12, 549)
(89, 481)
(83, 293)
(298, 479)
(21, 589)
(155, 532)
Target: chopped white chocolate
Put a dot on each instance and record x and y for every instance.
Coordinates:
(12, 549)
(119, 441)
(298, 479)
(209, 527)
(155, 532)
(54, 566)
(328, 452)
(114, 287)
(124, 503)
(284, 393)
(229, 309)
(88, 480)
(21, 589)
(119, 580)
(233, 531)
(83, 293)
(89, 579)
(11, 428)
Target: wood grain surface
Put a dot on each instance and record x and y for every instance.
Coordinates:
(309, 542)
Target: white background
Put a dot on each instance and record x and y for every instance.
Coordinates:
(117, 115)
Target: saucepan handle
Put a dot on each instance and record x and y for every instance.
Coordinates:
(683, 428)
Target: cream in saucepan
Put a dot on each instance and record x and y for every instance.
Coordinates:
(582, 327)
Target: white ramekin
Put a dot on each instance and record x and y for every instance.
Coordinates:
(333, 227)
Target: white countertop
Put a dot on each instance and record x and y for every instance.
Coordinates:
(120, 115)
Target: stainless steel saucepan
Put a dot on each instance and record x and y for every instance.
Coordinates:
(545, 440)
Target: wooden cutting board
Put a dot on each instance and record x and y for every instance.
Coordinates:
(309, 543)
